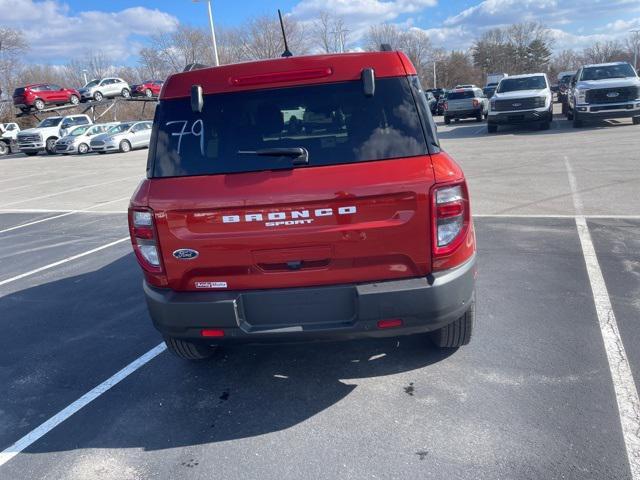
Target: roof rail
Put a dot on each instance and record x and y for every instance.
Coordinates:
(386, 47)
(194, 66)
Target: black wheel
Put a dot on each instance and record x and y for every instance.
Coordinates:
(125, 146)
(51, 145)
(74, 100)
(447, 120)
(4, 148)
(479, 118)
(148, 93)
(83, 148)
(492, 127)
(636, 120)
(457, 333)
(564, 108)
(39, 104)
(569, 114)
(188, 350)
(577, 123)
(125, 93)
(98, 96)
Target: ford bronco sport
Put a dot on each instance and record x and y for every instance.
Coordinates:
(302, 198)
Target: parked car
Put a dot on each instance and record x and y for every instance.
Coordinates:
(39, 95)
(465, 103)
(242, 237)
(79, 138)
(521, 99)
(123, 137)
(604, 91)
(436, 92)
(441, 102)
(564, 85)
(465, 86)
(432, 102)
(105, 88)
(8, 136)
(149, 89)
(46, 134)
(489, 91)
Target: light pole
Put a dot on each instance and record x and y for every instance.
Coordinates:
(213, 33)
(84, 74)
(434, 76)
(636, 42)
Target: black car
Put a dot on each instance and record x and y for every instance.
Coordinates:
(489, 91)
(432, 101)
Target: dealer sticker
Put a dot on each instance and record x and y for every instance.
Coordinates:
(211, 284)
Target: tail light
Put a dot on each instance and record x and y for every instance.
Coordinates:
(451, 219)
(476, 103)
(446, 105)
(145, 244)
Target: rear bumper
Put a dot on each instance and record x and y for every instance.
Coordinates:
(315, 313)
(463, 113)
(525, 116)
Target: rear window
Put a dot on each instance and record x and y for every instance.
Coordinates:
(336, 123)
(18, 91)
(461, 95)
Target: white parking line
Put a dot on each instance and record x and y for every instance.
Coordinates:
(60, 262)
(81, 402)
(71, 190)
(621, 375)
(66, 213)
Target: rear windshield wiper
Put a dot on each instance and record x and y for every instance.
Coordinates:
(299, 155)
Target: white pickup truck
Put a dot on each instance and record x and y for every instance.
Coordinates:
(8, 136)
(604, 91)
(46, 134)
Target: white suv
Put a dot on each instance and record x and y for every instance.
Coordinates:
(47, 133)
(106, 88)
(521, 99)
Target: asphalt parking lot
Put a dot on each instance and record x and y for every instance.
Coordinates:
(89, 393)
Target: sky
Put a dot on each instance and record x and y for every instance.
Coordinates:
(58, 30)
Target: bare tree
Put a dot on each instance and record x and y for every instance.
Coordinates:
(12, 46)
(380, 34)
(330, 33)
(632, 45)
(606, 51)
(261, 38)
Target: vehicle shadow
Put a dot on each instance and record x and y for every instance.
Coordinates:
(84, 328)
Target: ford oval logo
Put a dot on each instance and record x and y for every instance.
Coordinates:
(185, 254)
(613, 94)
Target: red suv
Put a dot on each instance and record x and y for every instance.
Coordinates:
(302, 198)
(40, 95)
(149, 89)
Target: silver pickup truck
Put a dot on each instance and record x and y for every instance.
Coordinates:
(466, 103)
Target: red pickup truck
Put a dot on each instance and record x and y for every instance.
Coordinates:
(302, 198)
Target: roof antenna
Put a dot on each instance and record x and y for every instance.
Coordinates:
(286, 52)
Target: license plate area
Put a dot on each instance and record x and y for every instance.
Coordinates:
(298, 310)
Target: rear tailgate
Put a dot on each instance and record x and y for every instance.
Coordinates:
(336, 224)
(462, 105)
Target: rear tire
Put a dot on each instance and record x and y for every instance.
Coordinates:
(636, 120)
(188, 350)
(479, 118)
(125, 93)
(447, 120)
(74, 100)
(98, 96)
(4, 149)
(148, 93)
(569, 114)
(492, 128)
(83, 148)
(457, 333)
(39, 104)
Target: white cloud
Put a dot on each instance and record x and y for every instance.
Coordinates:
(54, 33)
(359, 15)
